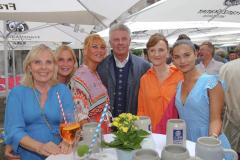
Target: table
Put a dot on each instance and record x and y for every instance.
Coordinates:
(158, 139)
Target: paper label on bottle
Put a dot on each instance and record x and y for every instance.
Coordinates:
(177, 136)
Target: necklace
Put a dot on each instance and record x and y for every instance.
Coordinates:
(44, 117)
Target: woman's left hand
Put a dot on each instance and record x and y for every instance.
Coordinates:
(65, 147)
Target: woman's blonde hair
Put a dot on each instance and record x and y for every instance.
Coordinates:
(31, 56)
(93, 38)
(89, 40)
(67, 48)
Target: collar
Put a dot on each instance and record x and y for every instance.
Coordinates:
(211, 61)
(120, 64)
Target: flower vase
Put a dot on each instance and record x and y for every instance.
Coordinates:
(124, 155)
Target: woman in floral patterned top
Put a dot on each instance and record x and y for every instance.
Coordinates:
(89, 94)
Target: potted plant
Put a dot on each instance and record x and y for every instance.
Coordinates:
(127, 136)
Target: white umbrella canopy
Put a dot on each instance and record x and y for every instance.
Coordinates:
(175, 14)
(65, 12)
(200, 20)
(218, 36)
(90, 12)
(53, 11)
(111, 9)
(190, 10)
(46, 33)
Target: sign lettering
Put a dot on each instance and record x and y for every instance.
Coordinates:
(8, 6)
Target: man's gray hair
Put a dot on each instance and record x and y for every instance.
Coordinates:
(120, 27)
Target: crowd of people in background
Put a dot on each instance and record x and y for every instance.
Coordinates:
(199, 82)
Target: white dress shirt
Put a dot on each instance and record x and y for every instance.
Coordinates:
(120, 64)
(213, 67)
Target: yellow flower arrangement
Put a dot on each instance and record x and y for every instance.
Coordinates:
(127, 135)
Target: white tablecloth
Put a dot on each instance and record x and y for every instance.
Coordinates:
(158, 139)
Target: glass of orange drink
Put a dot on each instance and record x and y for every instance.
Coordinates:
(68, 127)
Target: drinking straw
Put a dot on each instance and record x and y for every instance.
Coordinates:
(97, 129)
(61, 107)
